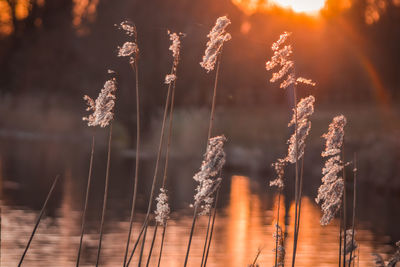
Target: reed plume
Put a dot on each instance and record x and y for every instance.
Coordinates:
(282, 59)
(331, 191)
(304, 109)
(212, 56)
(130, 48)
(208, 183)
(217, 36)
(163, 210)
(103, 106)
(214, 160)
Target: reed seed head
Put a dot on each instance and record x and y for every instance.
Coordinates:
(212, 164)
(282, 58)
(169, 78)
(331, 190)
(217, 36)
(334, 136)
(304, 109)
(175, 48)
(279, 167)
(130, 48)
(103, 106)
(128, 27)
(162, 212)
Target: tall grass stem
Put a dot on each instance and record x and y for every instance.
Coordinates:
(86, 201)
(354, 204)
(134, 195)
(103, 213)
(38, 220)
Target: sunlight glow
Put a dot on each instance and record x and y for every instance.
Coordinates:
(308, 7)
(301, 6)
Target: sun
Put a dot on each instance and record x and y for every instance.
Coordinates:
(308, 7)
(301, 6)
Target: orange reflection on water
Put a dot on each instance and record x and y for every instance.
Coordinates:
(244, 220)
(241, 229)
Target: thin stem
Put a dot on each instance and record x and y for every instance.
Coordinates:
(162, 244)
(208, 138)
(152, 244)
(168, 148)
(205, 241)
(354, 205)
(136, 243)
(86, 202)
(276, 233)
(300, 194)
(38, 219)
(212, 225)
(255, 259)
(155, 170)
(340, 238)
(296, 175)
(171, 117)
(103, 213)
(214, 98)
(191, 235)
(344, 208)
(134, 195)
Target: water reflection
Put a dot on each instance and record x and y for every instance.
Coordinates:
(242, 227)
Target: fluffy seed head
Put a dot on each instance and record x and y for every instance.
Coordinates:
(304, 109)
(103, 106)
(217, 38)
(282, 58)
(162, 212)
(127, 27)
(334, 136)
(279, 167)
(212, 164)
(331, 190)
(169, 78)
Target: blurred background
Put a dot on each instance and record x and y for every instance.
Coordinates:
(54, 52)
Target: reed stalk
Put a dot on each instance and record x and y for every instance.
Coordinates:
(210, 126)
(212, 225)
(103, 213)
(155, 171)
(300, 194)
(340, 238)
(255, 258)
(344, 208)
(296, 176)
(86, 201)
(38, 220)
(191, 235)
(205, 241)
(134, 195)
(276, 232)
(162, 245)
(152, 244)
(136, 244)
(354, 204)
(167, 158)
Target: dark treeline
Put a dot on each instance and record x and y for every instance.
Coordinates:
(55, 54)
